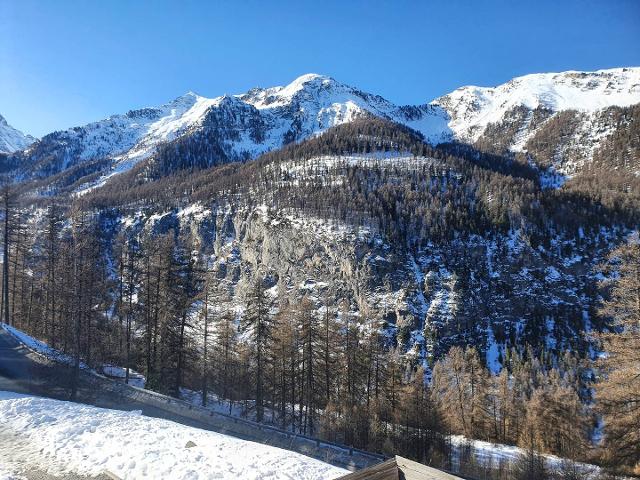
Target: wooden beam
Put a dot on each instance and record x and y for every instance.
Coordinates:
(410, 470)
(383, 471)
(400, 468)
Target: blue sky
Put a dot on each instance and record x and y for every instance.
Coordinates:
(65, 63)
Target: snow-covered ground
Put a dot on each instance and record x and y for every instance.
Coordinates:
(40, 347)
(63, 437)
(119, 373)
(112, 371)
(486, 453)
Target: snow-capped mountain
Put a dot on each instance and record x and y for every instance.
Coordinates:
(558, 119)
(510, 115)
(448, 245)
(244, 125)
(312, 103)
(12, 139)
(124, 138)
(473, 108)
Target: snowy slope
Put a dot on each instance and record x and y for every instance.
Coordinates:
(243, 125)
(12, 139)
(472, 108)
(317, 102)
(486, 453)
(64, 437)
(131, 136)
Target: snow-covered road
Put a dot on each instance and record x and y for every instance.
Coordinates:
(63, 437)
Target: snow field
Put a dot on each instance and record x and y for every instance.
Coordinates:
(62, 437)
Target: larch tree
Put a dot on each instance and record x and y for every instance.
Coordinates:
(258, 322)
(8, 206)
(460, 388)
(556, 419)
(618, 392)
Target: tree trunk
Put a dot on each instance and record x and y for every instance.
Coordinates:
(5, 263)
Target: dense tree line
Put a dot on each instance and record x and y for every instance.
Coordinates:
(618, 395)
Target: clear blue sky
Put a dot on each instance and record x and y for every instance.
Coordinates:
(65, 63)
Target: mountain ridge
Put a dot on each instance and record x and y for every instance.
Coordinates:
(262, 119)
(524, 107)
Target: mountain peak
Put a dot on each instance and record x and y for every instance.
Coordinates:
(311, 77)
(190, 95)
(12, 139)
(307, 80)
(308, 85)
(187, 99)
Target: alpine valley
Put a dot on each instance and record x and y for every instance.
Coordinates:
(479, 218)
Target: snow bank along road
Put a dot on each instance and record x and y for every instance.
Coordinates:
(61, 437)
(26, 372)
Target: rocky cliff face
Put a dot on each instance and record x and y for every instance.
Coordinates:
(495, 291)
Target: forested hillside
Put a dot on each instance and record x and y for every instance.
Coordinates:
(341, 274)
(347, 286)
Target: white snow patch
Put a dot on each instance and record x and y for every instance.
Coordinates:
(63, 437)
(494, 453)
(119, 373)
(493, 353)
(553, 275)
(40, 347)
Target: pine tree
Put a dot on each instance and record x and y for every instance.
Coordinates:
(8, 207)
(286, 364)
(225, 356)
(310, 339)
(187, 287)
(556, 418)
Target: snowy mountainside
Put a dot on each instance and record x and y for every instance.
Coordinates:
(478, 290)
(12, 139)
(239, 126)
(375, 230)
(123, 138)
(508, 116)
(472, 108)
(316, 102)
(503, 119)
